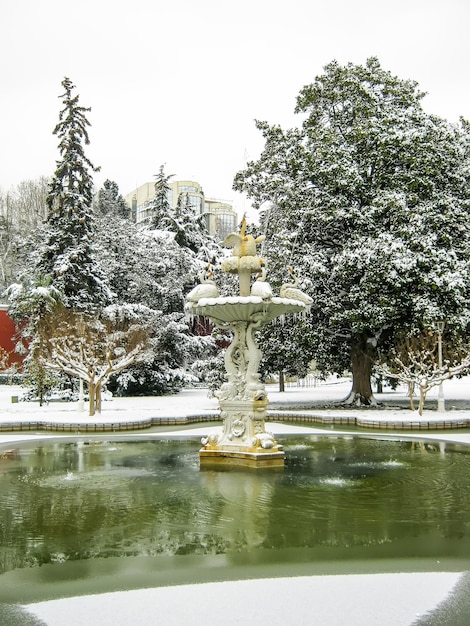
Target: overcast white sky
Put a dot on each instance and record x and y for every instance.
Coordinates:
(180, 82)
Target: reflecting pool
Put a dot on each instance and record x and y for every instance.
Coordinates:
(105, 515)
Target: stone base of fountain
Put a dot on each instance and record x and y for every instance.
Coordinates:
(219, 458)
(243, 439)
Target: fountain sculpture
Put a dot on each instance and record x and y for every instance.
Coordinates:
(242, 399)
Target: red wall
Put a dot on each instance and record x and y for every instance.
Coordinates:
(7, 333)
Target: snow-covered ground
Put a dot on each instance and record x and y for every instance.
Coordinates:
(372, 600)
(363, 600)
(197, 401)
(316, 400)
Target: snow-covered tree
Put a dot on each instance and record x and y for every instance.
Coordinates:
(3, 358)
(63, 267)
(369, 200)
(187, 225)
(144, 266)
(110, 202)
(8, 251)
(25, 204)
(148, 267)
(94, 347)
(160, 206)
(415, 361)
(22, 211)
(30, 300)
(67, 254)
(190, 227)
(286, 349)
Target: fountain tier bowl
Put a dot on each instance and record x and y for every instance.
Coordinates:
(244, 308)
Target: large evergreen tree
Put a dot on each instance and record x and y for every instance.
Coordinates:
(67, 256)
(63, 268)
(369, 201)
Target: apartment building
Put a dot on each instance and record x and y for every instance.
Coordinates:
(220, 218)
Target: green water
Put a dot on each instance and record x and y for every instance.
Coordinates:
(99, 516)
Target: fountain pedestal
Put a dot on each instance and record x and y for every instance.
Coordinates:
(244, 439)
(242, 399)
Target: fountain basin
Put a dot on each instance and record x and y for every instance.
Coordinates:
(113, 515)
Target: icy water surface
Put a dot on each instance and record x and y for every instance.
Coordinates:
(81, 517)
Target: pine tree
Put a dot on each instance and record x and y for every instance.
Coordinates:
(111, 202)
(369, 200)
(188, 227)
(67, 256)
(161, 208)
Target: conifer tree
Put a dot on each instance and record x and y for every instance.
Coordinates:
(187, 225)
(161, 208)
(67, 256)
(111, 202)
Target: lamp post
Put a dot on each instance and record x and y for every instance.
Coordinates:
(441, 407)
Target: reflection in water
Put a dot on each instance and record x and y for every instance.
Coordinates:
(363, 499)
(246, 503)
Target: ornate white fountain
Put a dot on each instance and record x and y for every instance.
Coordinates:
(243, 400)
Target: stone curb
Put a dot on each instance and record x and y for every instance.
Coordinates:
(116, 425)
(100, 426)
(373, 423)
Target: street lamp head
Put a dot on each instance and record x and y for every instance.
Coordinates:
(440, 324)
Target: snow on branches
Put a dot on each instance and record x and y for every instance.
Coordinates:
(93, 348)
(415, 362)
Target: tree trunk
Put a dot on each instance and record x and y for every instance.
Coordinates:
(98, 398)
(92, 396)
(422, 398)
(410, 392)
(282, 384)
(361, 365)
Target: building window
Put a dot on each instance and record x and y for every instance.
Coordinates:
(225, 224)
(195, 202)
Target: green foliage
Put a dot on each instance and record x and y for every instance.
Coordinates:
(29, 300)
(40, 381)
(369, 200)
(286, 348)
